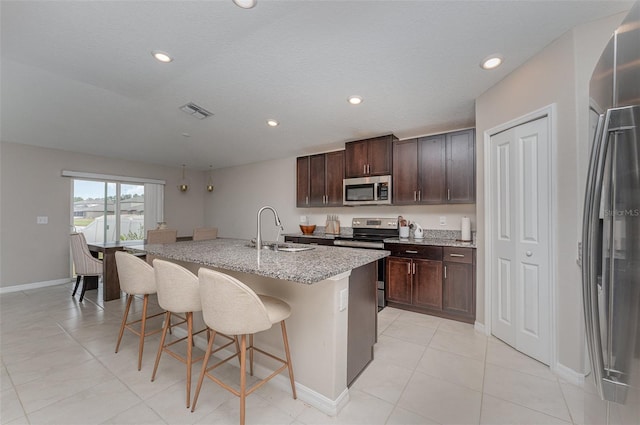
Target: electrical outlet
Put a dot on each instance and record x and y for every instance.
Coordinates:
(344, 299)
(42, 219)
(443, 220)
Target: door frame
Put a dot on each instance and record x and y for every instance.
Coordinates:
(550, 112)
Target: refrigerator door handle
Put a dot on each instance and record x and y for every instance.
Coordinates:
(590, 242)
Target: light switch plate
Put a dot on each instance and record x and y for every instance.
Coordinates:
(42, 219)
(443, 220)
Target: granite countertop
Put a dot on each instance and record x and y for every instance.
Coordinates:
(306, 267)
(432, 242)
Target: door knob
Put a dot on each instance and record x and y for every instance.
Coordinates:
(529, 253)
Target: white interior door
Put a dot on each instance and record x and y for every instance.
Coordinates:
(520, 263)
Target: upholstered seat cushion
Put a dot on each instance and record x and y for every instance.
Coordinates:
(277, 309)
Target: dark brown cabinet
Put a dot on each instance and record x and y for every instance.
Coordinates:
(319, 180)
(432, 279)
(436, 169)
(461, 167)
(369, 157)
(458, 285)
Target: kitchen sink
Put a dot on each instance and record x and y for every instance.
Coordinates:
(286, 247)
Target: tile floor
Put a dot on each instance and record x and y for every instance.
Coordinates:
(59, 367)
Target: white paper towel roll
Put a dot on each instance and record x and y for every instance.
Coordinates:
(465, 229)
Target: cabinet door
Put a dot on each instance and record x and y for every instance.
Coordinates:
(432, 170)
(355, 157)
(398, 286)
(458, 289)
(461, 167)
(316, 180)
(379, 153)
(427, 283)
(334, 173)
(405, 172)
(302, 182)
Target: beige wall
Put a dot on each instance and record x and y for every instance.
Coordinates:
(557, 75)
(31, 185)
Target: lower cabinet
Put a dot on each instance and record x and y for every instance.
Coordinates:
(433, 280)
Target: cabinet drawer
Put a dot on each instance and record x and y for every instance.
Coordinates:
(415, 251)
(458, 255)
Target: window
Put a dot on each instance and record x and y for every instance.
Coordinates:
(110, 208)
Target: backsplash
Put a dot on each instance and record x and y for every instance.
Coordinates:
(428, 233)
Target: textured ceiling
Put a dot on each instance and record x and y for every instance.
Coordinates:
(78, 75)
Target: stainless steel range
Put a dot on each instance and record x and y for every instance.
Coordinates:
(370, 233)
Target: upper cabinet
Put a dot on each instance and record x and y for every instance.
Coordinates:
(436, 169)
(369, 157)
(319, 180)
(461, 167)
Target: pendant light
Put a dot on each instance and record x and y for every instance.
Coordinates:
(210, 183)
(183, 186)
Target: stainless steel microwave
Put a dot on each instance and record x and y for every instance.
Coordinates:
(367, 191)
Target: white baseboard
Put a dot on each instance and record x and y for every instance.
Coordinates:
(315, 399)
(34, 285)
(479, 327)
(568, 374)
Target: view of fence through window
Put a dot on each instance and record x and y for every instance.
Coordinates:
(108, 211)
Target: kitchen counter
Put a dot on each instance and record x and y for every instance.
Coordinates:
(332, 294)
(307, 267)
(432, 242)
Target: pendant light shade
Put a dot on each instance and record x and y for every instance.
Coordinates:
(210, 182)
(184, 185)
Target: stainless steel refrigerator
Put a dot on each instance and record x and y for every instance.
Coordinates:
(611, 232)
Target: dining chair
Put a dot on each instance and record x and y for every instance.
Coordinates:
(232, 308)
(136, 278)
(205, 233)
(84, 263)
(162, 236)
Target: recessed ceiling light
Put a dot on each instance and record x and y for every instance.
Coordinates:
(354, 100)
(245, 4)
(491, 62)
(272, 123)
(161, 56)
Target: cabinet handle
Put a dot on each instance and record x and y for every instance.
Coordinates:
(457, 255)
(408, 268)
(364, 169)
(448, 195)
(414, 268)
(411, 251)
(306, 200)
(415, 196)
(420, 195)
(445, 272)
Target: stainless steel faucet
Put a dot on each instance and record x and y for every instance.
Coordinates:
(278, 223)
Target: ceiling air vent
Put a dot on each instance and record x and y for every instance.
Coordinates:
(196, 111)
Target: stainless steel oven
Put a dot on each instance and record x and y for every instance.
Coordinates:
(370, 233)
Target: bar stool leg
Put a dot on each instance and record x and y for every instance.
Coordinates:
(251, 354)
(243, 377)
(289, 366)
(204, 369)
(167, 324)
(189, 353)
(75, 288)
(142, 329)
(124, 320)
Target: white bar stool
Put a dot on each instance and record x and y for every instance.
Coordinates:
(178, 293)
(231, 307)
(136, 278)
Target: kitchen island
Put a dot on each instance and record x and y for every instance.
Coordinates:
(332, 293)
